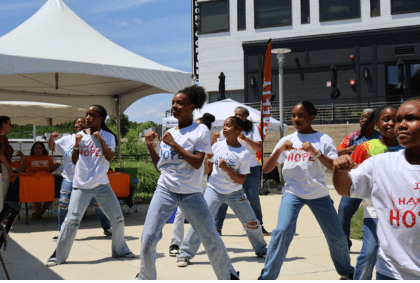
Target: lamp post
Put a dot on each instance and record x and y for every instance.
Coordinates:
(280, 59)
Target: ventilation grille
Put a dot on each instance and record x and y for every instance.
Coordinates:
(405, 50)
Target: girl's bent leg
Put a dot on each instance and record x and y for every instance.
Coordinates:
(198, 214)
(111, 208)
(64, 201)
(162, 206)
(282, 236)
(327, 217)
(79, 202)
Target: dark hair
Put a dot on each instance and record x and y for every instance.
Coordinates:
(207, 119)
(84, 119)
(44, 150)
(245, 125)
(380, 110)
(103, 113)
(196, 95)
(3, 120)
(309, 107)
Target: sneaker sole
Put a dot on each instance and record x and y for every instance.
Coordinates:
(51, 263)
(173, 255)
(182, 264)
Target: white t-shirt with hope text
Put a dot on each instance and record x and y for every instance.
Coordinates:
(303, 173)
(92, 167)
(64, 146)
(238, 159)
(254, 136)
(393, 185)
(176, 174)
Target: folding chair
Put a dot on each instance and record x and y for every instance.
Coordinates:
(134, 180)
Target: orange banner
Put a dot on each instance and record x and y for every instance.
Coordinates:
(266, 98)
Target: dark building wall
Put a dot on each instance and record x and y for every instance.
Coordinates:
(307, 68)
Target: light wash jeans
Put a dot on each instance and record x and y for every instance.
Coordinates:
(282, 235)
(65, 196)
(178, 229)
(367, 259)
(163, 204)
(80, 200)
(346, 209)
(242, 209)
(251, 188)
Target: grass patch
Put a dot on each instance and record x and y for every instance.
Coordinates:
(357, 224)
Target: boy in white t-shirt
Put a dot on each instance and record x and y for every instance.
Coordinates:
(392, 181)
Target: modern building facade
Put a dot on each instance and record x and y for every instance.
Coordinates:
(364, 39)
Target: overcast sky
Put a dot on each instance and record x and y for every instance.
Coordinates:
(159, 30)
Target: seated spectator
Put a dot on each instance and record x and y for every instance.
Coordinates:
(38, 161)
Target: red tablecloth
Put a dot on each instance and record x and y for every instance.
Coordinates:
(120, 183)
(36, 187)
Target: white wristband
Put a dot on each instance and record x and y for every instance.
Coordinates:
(318, 154)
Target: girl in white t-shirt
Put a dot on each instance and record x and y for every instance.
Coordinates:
(180, 163)
(92, 151)
(392, 181)
(178, 229)
(305, 155)
(229, 165)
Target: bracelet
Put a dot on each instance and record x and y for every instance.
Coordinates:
(76, 148)
(318, 154)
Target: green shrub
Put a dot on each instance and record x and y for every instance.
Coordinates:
(357, 224)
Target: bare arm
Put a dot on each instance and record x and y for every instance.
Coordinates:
(273, 159)
(326, 161)
(236, 177)
(194, 159)
(346, 150)
(75, 153)
(255, 145)
(150, 137)
(341, 178)
(108, 153)
(51, 143)
(216, 135)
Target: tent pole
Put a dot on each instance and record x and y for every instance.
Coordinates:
(34, 132)
(117, 104)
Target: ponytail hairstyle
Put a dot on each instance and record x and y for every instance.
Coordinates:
(196, 95)
(366, 123)
(207, 119)
(103, 113)
(245, 125)
(309, 107)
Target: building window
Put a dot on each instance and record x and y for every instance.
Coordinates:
(271, 13)
(375, 8)
(214, 16)
(404, 6)
(241, 15)
(338, 10)
(411, 80)
(304, 12)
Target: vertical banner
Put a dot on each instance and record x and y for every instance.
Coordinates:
(266, 99)
(195, 28)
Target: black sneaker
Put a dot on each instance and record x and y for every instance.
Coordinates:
(219, 230)
(55, 239)
(182, 261)
(347, 277)
(108, 233)
(233, 277)
(173, 250)
(265, 233)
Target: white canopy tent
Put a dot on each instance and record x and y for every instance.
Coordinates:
(56, 57)
(222, 110)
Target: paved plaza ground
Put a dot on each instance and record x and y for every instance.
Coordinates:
(90, 258)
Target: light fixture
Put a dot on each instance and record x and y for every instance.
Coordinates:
(252, 81)
(366, 73)
(352, 82)
(352, 57)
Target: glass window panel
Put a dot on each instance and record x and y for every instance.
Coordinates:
(214, 16)
(415, 79)
(331, 10)
(405, 6)
(241, 15)
(375, 8)
(272, 13)
(304, 12)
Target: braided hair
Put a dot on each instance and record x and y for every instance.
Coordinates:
(103, 114)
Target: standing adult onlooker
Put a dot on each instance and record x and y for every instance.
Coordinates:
(253, 143)
(6, 152)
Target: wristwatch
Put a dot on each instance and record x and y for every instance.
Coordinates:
(318, 154)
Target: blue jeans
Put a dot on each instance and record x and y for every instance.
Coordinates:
(251, 188)
(80, 200)
(367, 259)
(240, 205)
(346, 210)
(178, 230)
(282, 235)
(380, 276)
(194, 207)
(65, 194)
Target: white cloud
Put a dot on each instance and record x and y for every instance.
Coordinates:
(138, 21)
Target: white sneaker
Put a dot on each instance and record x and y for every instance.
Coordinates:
(173, 250)
(182, 262)
(52, 261)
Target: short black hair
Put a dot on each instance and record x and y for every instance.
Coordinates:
(309, 107)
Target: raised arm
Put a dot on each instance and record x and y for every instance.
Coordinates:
(236, 177)
(75, 153)
(51, 143)
(194, 159)
(341, 178)
(273, 159)
(108, 153)
(150, 137)
(325, 160)
(256, 145)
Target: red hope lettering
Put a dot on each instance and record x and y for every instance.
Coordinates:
(305, 155)
(298, 157)
(413, 219)
(290, 157)
(392, 217)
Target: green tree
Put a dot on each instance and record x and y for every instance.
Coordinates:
(124, 123)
